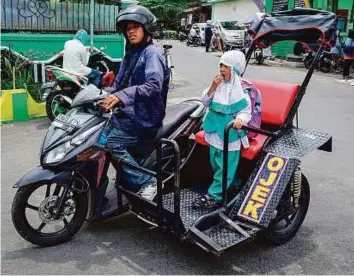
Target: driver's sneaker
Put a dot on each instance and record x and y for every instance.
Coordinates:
(206, 202)
(148, 191)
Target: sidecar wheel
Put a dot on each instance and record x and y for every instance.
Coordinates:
(278, 233)
(35, 227)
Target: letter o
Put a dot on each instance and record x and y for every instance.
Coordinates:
(275, 164)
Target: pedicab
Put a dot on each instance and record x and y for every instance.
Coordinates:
(273, 201)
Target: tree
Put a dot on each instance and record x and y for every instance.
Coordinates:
(169, 11)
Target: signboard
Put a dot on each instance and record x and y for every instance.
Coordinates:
(300, 4)
(280, 5)
(263, 187)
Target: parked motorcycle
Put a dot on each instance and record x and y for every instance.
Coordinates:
(330, 62)
(194, 40)
(323, 61)
(64, 85)
(258, 55)
(182, 36)
(161, 33)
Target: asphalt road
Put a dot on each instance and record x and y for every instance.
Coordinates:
(124, 245)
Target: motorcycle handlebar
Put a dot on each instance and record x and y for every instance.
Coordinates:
(97, 105)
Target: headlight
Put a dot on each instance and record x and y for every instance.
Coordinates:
(57, 154)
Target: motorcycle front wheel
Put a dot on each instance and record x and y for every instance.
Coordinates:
(33, 211)
(55, 104)
(307, 62)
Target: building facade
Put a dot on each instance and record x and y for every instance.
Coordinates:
(232, 10)
(343, 8)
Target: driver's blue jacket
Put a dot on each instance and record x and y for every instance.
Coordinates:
(144, 98)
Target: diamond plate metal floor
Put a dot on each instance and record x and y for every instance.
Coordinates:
(224, 236)
(188, 214)
(298, 142)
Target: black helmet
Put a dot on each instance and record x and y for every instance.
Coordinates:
(137, 14)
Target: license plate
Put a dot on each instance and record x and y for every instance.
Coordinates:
(48, 85)
(65, 122)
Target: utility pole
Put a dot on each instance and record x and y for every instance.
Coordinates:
(92, 7)
(335, 6)
(352, 15)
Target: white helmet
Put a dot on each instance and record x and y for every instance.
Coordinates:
(208, 22)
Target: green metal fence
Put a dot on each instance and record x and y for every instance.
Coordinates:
(57, 15)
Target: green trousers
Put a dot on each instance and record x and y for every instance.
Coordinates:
(216, 161)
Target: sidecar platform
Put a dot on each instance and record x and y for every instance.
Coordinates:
(232, 224)
(273, 158)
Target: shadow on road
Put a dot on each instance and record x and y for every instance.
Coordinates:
(130, 243)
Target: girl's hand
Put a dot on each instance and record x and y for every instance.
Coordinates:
(238, 123)
(216, 82)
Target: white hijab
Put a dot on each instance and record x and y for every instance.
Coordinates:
(231, 92)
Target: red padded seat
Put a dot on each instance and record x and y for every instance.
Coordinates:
(277, 99)
(251, 153)
(256, 145)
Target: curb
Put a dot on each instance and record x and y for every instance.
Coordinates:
(17, 105)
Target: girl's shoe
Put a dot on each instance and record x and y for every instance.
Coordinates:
(206, 202)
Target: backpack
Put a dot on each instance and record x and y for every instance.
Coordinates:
(256, 106)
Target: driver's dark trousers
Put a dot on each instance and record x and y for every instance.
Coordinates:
(118, 141)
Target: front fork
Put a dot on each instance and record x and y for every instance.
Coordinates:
(60, 203)
(79, 183)
(70, 187)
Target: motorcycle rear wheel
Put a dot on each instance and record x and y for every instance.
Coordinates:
(76, 203)
(277, 233)
(53, 105)
(197, 42)
(325, 64)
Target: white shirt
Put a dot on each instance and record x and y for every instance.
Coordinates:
(76, 58)
(213, 138)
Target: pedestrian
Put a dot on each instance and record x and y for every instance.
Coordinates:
(227, 102)
(208, 33)
(348, 51)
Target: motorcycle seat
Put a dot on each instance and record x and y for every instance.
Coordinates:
(176, 115)
(167, 46)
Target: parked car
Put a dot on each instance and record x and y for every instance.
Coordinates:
(232, 36)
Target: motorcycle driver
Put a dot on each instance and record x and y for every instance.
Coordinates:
(194, 32)
(76, 57)
(140, 89)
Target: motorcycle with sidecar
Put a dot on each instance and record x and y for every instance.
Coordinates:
(73, 183)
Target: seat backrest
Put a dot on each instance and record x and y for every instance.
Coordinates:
(277, 99)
